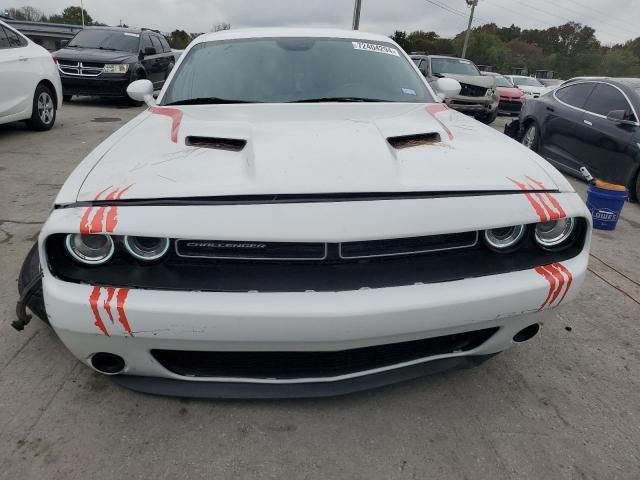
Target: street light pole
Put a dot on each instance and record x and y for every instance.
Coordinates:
(356, 14)
(82, 11)
(472, 4)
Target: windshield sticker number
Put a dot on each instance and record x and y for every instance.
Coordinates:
(131, 34)
(372, 47)
(464, 61)
(408, 91)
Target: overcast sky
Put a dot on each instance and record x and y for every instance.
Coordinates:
(614, 20)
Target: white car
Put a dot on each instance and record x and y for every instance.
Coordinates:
(30, 87)
(531, 87)
(299, 215)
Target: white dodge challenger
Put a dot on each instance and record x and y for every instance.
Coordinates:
(299, 214)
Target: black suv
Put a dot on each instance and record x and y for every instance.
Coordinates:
(103, 61)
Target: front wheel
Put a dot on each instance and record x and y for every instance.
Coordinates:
(530, 137)
(637, 192)
(488, 118)
(43, 114)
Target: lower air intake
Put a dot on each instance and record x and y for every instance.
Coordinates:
(315, 364)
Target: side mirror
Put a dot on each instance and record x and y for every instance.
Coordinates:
(142, 91)
(149, 51)
(447, 87)
(621, 117)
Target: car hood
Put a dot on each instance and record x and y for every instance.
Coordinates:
(305, 148)
(510, 92)
(479, 81)
(94, 55)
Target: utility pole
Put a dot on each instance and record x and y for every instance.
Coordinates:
(356, 14)
(472, 4)
(82, 11)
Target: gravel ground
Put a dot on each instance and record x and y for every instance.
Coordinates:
(563, 406)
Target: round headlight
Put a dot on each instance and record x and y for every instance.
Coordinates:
(550, 235)
(146, 248)
(90, 249)
(504, 239)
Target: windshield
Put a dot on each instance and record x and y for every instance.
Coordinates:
(107, 40)
(527, 81)
(278, 70)
(503, 82)
(456, 66)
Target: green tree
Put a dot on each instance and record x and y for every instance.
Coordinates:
(401, 39)
(618, 62)
(72, 16)
(179, 39)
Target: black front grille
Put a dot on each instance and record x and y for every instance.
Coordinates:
(472, 90)
(331, 274)
(316, 364)
(408, 246)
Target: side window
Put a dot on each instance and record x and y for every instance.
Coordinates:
(165, 45)
(146, 42)
(575, 95)
(606, 98)
(13, 39)
(156, 43)
(4, 42)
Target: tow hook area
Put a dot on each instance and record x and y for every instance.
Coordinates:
(21, 307)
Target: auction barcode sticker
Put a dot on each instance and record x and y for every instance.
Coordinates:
(372, 47)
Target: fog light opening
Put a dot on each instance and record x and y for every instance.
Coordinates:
(527, 333)
(107, 363)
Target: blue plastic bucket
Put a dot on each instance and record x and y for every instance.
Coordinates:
(605, 206)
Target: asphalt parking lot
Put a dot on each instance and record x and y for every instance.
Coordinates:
(563, 406)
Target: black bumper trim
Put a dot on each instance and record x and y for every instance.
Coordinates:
(231, 390)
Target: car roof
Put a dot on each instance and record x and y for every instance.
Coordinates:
(246, 33)
(121, 29)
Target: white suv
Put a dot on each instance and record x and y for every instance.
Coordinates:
(31, 88)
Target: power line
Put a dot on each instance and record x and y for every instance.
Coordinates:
(602, 14)
(454, 11)
(547, 23)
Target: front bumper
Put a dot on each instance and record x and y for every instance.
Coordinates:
(475, 105)
(510, 106)
(139, 321)
(102, 85)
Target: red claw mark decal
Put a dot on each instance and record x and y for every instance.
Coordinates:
(546, 206)
(437, 108)
(559, 279)
(102, 219)
(176, 117)
(109, 293)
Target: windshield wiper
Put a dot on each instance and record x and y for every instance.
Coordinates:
(337, 99)
(438, 75)
(107, 48)
(207, 101)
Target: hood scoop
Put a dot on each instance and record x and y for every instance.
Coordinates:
(416, 140)
(229, 144)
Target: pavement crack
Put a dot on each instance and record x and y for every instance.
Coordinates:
(18, 222)
(17, 352)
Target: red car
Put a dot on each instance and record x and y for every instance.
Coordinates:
(511, 97)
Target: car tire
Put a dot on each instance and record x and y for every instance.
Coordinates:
(637, 189)
(31, 269)
(530, 136)
(489, 118)
(43, 115)
(67, 98)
